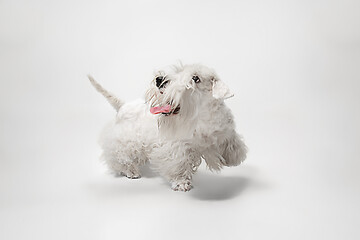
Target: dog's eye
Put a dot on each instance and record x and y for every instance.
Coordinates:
(164, 83)
(159, 80)
(196, 79)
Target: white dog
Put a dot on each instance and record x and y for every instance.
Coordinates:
(184, 120)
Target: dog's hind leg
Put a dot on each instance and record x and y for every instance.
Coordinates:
(121, 164)
(128, 170)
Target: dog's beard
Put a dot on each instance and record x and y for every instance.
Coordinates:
(152, 96)
(183, 124)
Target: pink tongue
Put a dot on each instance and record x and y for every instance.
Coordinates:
(161, 109)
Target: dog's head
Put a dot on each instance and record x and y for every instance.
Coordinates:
(178, 95)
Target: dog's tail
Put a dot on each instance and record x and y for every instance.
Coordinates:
(111, 98)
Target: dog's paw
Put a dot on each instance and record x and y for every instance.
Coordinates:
(182, 186)
(131, 174)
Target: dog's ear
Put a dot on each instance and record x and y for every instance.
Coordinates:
(220, 90)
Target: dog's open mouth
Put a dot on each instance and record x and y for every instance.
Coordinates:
(165, 110)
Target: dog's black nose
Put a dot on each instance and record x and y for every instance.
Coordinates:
(159, 80)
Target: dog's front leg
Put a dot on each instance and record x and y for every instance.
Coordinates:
(233, 150)
(177, 163)
(185, 167)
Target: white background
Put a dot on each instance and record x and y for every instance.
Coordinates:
(294, 68)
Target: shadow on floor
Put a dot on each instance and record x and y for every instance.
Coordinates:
(211, 187)
(207, 186)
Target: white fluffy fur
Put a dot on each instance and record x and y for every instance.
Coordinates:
(174, 144)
